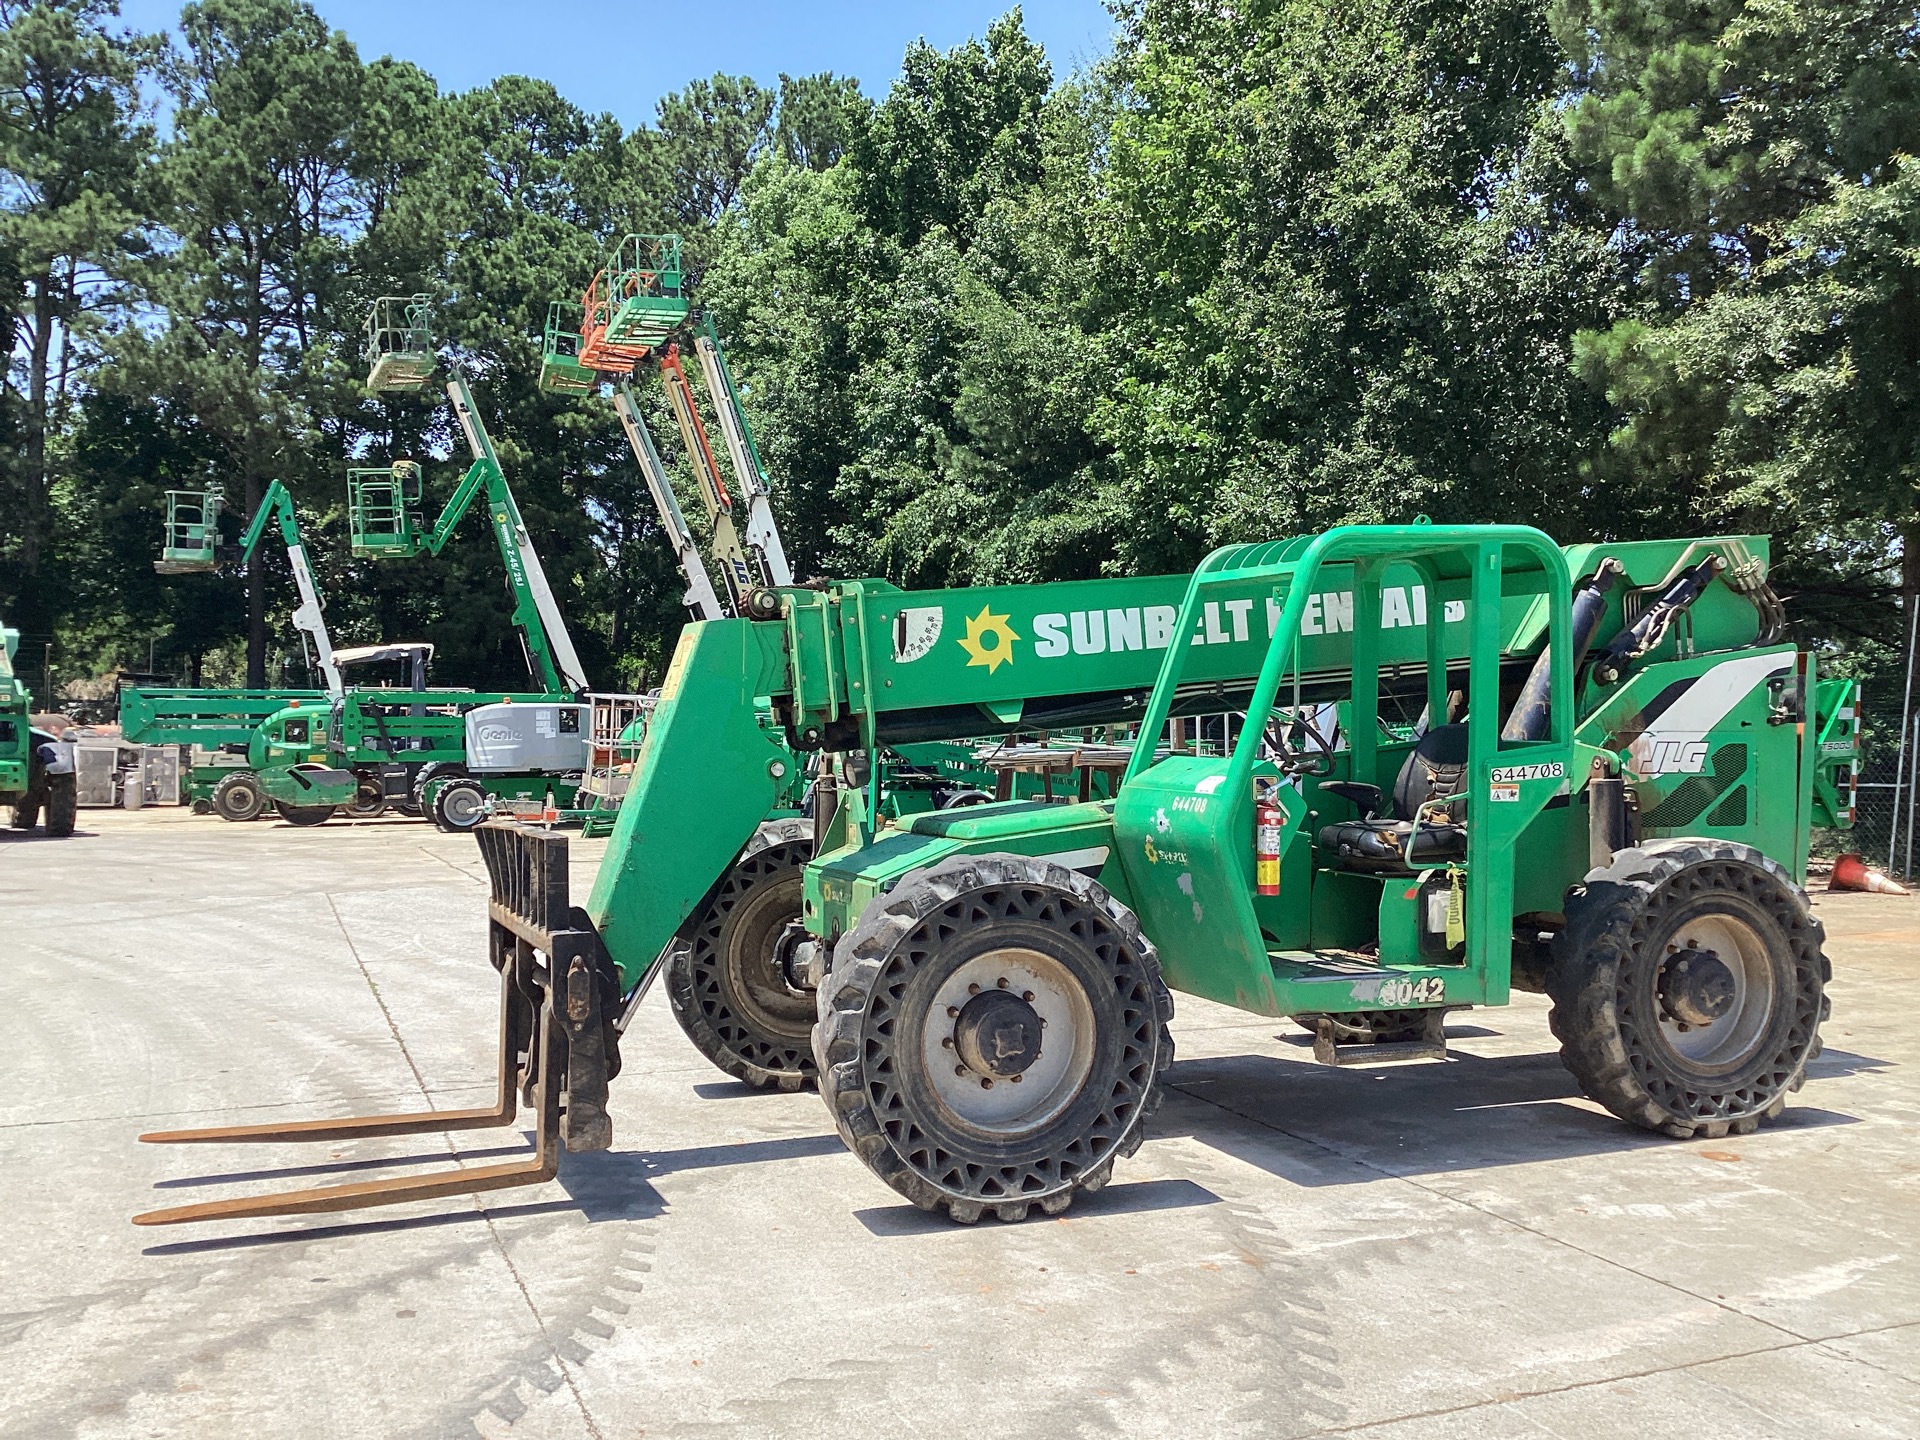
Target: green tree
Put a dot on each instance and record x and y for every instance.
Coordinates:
(818, 117)
(257, 198)
(1756, 157)
(1355, 256)
(955, 130)
(707, 139)
(72, 144)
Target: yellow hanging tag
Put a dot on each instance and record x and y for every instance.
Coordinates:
(1456, 909)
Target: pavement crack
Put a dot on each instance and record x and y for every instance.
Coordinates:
(1572, 1386)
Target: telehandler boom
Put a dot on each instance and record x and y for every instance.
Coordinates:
(991, 984)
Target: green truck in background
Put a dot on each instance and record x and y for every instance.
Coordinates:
(36, 768)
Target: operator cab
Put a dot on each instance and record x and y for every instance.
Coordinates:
(410, 657)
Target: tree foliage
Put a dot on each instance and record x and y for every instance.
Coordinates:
(1613, 267)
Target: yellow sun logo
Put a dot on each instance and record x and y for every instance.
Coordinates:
(989, 640)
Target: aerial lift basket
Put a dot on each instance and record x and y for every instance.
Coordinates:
(193, 532)
(400, 353)
(383, 510)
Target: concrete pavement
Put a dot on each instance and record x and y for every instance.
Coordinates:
(1426, 1250)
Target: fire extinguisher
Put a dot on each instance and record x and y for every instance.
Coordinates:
(1267, 820)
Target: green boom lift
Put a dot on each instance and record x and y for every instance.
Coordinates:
(448, 753)
(1599, 784)
(217, 724)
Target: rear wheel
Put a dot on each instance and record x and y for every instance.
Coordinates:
(727, 988)
(303, 814)
(239, 797)
(428, 773)
(459, 805)
(369, 801)
(993, 1036)
(26, 812)
(1688, 987)
(63, 805)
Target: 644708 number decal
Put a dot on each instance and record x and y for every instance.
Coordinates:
(1511, 773)
(1430, 991)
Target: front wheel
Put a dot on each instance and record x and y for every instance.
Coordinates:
(239, 797)
(460, 805)
(993, 1035)
(303, 814)
(724, 980)
(1688, 987)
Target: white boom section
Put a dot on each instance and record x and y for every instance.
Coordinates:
(763, 534)
(700, 597)
(572, 673)
(308, 619)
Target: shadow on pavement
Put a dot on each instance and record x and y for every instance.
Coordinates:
(1128, 1198)
(1358, 1124)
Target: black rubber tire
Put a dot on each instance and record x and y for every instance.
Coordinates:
(450, 806)
(877, 998)
(1607, 959)
(436, 770)
(722, 982)
(239, 797)
(304, 815)
(62, 806)
(368, 803)
(26, 812)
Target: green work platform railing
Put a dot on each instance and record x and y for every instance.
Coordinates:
(193, 532)
(383, 510)
(400, 353)
(562, 371)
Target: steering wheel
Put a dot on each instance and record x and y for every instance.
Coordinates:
(1316, 760)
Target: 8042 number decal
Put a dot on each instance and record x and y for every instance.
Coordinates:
(1430, 991)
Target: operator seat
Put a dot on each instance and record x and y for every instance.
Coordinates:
(1376, 843)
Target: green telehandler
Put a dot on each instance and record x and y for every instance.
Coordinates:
(1457, 761)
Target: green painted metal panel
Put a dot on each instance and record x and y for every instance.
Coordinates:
(707, 774)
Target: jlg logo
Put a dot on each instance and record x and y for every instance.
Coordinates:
(1675, 757)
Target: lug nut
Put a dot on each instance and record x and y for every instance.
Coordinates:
(986, 1084)
(960, 1070)
(946, 1042)
(953, 1012)
(1027, 995)
(973, 989)
(1001, 982)
(1016, 1079)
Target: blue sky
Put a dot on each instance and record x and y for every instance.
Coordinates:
(622, 58)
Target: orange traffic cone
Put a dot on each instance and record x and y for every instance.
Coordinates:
(1850, 872)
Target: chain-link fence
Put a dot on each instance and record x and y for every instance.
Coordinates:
(1886, 826)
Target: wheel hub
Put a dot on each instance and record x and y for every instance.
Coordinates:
(982, 1043)
(997, 1034)
(1697, 987)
